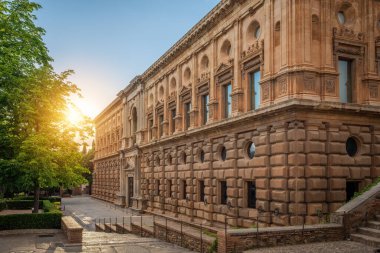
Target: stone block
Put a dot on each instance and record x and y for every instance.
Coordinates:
(231, 182)
(335, 206)
(278, 183)
(262, 183)
(296, 147)
(337, 183)
(337, 196)
(316, 183)
(316, 159)
(296, 171)
(296, 134)
(282, 196)
(315, 171)
(282, 207)
(277, 137)
(260, 172)
(339, 171)
(297, 208)
(296, 159)
(312, 209)
(280, 171)
(337, 148)
(299, 184)
(263, 204)
(297, 196)
(262, 194)
(277, 160)
(314, 147)
(232, 192)
(279, 148)
(261, 150)
(315, 196)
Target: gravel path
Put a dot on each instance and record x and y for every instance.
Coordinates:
(323, 247)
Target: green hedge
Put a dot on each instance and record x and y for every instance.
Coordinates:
(21, 204)
(3, 205)
(31, 221)
(51, 199)
(47, 206)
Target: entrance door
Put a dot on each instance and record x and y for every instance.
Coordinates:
(351, 188)
(130, 191)
(251, 194)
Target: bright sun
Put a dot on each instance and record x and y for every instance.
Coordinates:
(74, 115)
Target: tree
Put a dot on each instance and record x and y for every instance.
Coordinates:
(35, 139)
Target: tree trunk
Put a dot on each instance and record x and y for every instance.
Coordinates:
(36, 199)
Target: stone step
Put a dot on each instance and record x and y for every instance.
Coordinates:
(369, 231)
(367, 240)
(374, 224)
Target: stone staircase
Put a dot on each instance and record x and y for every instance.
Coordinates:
(369, 234)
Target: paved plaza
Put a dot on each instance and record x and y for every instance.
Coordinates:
(86, 210)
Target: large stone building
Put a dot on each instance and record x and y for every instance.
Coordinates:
(264, 105)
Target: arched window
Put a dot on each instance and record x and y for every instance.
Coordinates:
(134, 120)
(277, 33)
(253, 31)
(316, 34)
(204, 62)
(186, 75)
(225, 50)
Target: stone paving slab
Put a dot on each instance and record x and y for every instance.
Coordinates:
(92, 242)
(322, 247)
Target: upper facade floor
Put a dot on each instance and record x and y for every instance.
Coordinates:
(247, 55)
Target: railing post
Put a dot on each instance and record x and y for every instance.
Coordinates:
(141, 226)
(225, 232)
(110, 225)
(123, 225)
(202, 240)
(154, 227)
(181, 232)
(303, 224)
(166, 229)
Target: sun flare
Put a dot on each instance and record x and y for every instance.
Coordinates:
(74, 115)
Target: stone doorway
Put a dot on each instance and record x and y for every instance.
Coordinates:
(130, 191)
(351, 188)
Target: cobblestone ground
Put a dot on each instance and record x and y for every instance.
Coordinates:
(323, 247)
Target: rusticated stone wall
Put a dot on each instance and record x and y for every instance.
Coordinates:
(239, 240)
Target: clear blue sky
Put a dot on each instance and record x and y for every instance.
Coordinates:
(108, 42)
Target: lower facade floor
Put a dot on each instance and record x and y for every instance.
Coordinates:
(283, 168)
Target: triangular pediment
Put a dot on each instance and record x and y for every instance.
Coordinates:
(184, 90)
(222, 67)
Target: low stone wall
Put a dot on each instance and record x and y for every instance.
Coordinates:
(72, 229)
(238, 240)
(359, 210)
(137, 230)
(185, 239)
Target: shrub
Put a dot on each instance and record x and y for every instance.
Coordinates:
(51, 199)
(213, 247)
(21, 204)
(47, 206)
(3, 205)
(31, 221)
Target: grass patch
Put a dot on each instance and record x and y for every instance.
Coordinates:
(367, 188)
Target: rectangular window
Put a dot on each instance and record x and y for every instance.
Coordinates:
(254, 89)
(227, 101)
(345, 81)
(169, 188)
(183, 186)
(201, 190)
(161, 125)
(223, 192)
(187, 115)
(157, 187)
(251, 194)
(172, 127)
(150, 129)
(205, 110)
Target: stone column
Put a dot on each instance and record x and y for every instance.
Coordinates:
(237, 91)
(194, 102)
(213, 103)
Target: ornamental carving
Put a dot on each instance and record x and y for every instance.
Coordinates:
(204, 77)
(309, 83)
(346, 33)
(282, 86)
(373, 91)
(265, 92)
(330, 86)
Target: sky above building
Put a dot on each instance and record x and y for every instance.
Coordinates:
(108, 42)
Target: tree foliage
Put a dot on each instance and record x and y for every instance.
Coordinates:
(37, 145)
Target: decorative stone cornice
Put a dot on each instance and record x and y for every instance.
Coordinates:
(220, 11)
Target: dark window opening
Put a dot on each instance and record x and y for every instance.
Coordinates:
(201, 190)
(251, 191)
(161, 124)
(205, 109)
(227, 101)
(351, 146)
(345, 81)
(173, 113)
(254, 89)
(223, 192)
(187, 115)
(223, 153)
(183, 189)
(351, 188)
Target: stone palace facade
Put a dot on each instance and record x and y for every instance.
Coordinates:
(269, 106)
